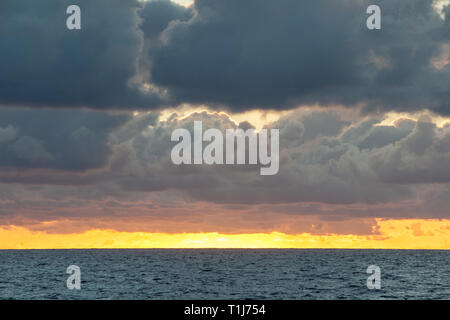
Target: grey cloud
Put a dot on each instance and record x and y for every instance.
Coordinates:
(327, 162)
(318, 163)
(281, 54)
(56, 139)
(225, 54)
(357, 169)
(8, 133)
(381, 136)
(156, 16)
(315, 165)
(43, 63)
(31, 150)
(421, 157)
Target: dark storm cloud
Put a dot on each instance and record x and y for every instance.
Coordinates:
(42, 63)
(280, 54)
(57, 139)
(225, 53)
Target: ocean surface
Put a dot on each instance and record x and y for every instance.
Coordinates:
(224, 274)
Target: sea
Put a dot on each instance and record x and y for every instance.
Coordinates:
(275, 274)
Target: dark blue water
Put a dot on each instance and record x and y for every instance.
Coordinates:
(224, 274)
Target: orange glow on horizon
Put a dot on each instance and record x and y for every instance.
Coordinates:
(393, 234)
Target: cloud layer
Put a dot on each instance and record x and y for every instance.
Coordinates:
(74, 155)
(232, 54)
(332, 168)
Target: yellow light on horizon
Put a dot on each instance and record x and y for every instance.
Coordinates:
(393, 234)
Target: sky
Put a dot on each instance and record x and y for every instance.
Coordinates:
(86, 118)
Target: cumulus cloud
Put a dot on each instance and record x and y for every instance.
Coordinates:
(315, 164)
(331, 167)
